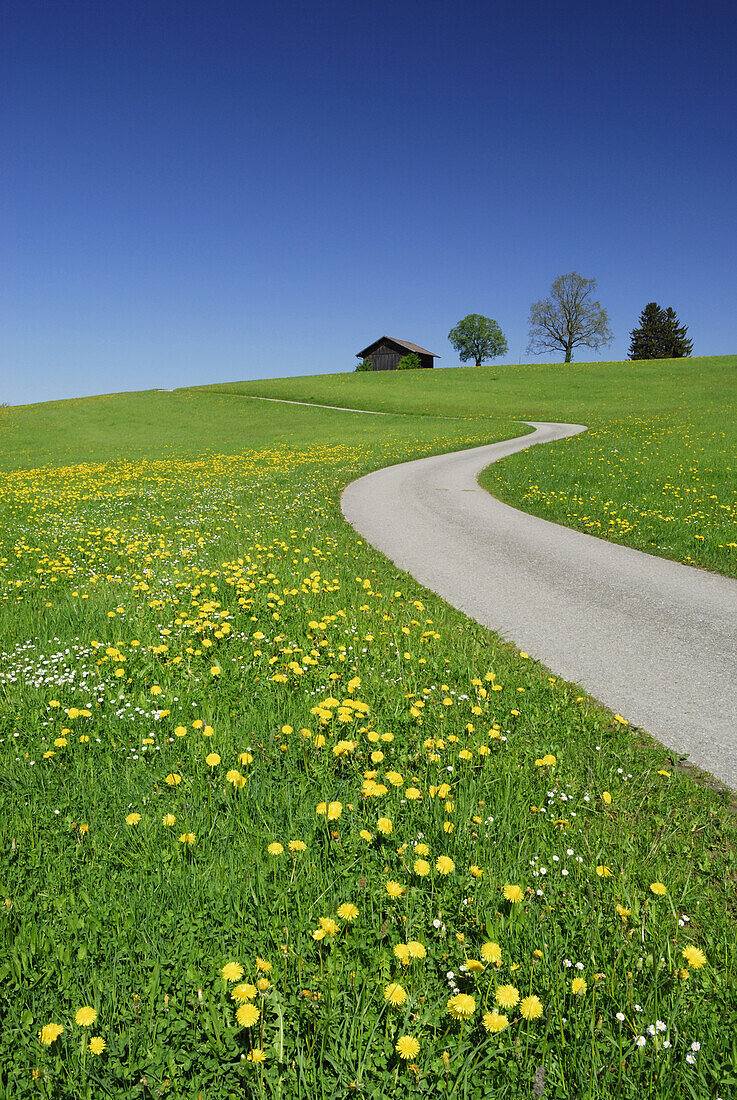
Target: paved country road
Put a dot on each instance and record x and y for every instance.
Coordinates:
(653, 640)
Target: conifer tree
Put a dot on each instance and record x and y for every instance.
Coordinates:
(659, 336)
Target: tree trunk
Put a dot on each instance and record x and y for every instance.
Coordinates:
(569, 349)
(478, 360)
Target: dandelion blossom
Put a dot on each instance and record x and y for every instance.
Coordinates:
(416, 950)
(213, 759)
(132, 819)
(578, 985)
(401, 952)
(232, 972)
(347, 911)
(247, 1015)
(96, 1044)
(491, 952)
(187, 838)
(507, 996)
(256, 1055)
(297, 846)
(444, 865)
(461, 1006)
(49, 1033)
(694, 957)
(658, 888)
(407, 1047)
(494, 1021)
(263, 965)
(243, 992)
(275, 849)
(85, 1016)
(395, 994)
(384, 825)
(514, 894)
(421, 867)
(394, 889)
(531, 1007)
(168, 819)
(603, 871)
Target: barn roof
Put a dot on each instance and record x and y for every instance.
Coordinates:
(393, 340)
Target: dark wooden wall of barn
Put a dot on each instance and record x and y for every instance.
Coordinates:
(384, 358)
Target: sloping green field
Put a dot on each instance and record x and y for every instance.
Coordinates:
(275, 821)
(657, 470)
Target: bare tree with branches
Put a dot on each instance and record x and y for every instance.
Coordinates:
(568, 318)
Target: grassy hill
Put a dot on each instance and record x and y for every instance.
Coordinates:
(276, 821)
(657, 470)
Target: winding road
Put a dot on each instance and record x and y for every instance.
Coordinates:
(653, 640)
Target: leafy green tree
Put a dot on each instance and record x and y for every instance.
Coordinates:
(568, 318)
(477, 337)
(409, 362)
(659, 336)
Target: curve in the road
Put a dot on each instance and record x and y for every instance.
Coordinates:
(653, 640)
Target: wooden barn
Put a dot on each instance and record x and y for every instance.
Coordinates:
(385, 353)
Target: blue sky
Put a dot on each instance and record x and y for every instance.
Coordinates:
(204, 191)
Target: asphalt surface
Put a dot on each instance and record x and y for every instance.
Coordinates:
(653, 640)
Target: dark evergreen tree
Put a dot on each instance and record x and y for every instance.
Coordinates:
(659, 336)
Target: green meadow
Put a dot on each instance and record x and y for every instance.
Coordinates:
(276, 821)
(657, 469)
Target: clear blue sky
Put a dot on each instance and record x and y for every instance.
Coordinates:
(198, 191)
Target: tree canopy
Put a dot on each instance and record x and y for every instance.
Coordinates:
(477, 337)
(568, 318)
(659, 336)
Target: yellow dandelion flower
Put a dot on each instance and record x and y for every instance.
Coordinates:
(49, 1033)
(275, 848)
(514, 893)
(243, 992)
(384, 825)
(366, 835)
(407, 1047)
(444, 865)
(421, 867)
(232, 972)
(477, 872)
(531, 1008)
(297, 846)
(168, 819)
(395, 994)
(187, 838)
(494, 1021)
(461, 1006)
(507, 996)
(401, 952)
(96, 1044)
(603, 871)
(213, 759)
(658, 888)
(245, 758)
(416, 950)
(264, 965)
(694, 957)
(394, 889)
(578, 986)
(474, 965)
(347, 911)
(491, 952)
(257, 1055)
(422, 850)
(173, 779)
(247, 1015)
(132, 819)
(85, 1016)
